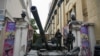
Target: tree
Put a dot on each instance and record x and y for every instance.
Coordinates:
(35, 35)
(32, 22)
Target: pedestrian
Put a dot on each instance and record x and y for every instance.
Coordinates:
(70, 39)
(58, 36)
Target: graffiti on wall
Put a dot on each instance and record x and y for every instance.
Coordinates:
(10, 27)
(85, 46)
(9, 40)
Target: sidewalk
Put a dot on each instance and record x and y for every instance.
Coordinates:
(47, 53)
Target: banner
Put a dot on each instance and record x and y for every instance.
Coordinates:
(9, 40)
(85, 45)
(65, 32)
(10, 27)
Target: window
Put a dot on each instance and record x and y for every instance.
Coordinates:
(65, 19)
(53, 20)
(52, 17)
(55, 12)
(72, 11)
(1, 11)
(1, 17)
(84, 9)
(58, 16)
(69, 15)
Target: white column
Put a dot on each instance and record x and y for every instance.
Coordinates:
(1, 42)
(75, 35)
(91, 38)
(23, 41)
(55, 20)
(17, 42)
(63, 14)
(62, 18)
(79, 40)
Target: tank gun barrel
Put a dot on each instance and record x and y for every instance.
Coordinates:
(37, 19)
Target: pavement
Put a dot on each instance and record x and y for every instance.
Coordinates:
(32, 53)
(43, 52)
(47, 53)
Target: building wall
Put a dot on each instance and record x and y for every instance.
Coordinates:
(77, 5)
(91, 15)
(57, 19)
(14, 8)
(2, 7)
(1, 41)
(2, 4)
(19, 6)
(86, 11)
(94, 15)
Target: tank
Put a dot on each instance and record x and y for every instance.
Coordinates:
(37, 19)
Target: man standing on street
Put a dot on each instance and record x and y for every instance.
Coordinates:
(70, 39)
(58, 36)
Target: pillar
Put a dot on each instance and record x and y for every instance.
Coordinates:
(75, 35)
(17, 42)
(79, 40)
(91, 38)
(23, 41)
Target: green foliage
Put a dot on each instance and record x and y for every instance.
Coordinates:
(32, 21)
(35, 37)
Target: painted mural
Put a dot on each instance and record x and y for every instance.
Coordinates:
(9, 39)
(85, 46)
(10, 27)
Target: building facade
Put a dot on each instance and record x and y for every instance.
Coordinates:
(13, 24)
(87, 14)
